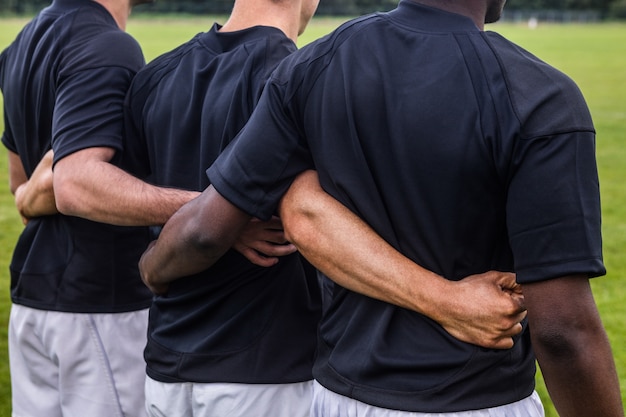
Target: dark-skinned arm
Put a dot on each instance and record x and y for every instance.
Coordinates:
(572, 348)
(192, 240)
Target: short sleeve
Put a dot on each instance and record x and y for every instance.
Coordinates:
(89, 110)
(258, 167)
(553, 208)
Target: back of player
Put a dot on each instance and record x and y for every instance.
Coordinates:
(242, 334)
(425, 126)
(75, 285)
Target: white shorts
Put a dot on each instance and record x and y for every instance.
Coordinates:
(68, 364)
(327, 403)
(189, 399)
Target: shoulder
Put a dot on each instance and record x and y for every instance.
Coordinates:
(177, 64)
(543, 97)
(92, 37)
(318, 53)
(303, 68)
(115, 47)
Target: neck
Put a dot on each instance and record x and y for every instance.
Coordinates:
(475, 10)
(283, 15)
(119, 9)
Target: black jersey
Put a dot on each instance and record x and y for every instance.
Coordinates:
(235, 322)
(463, 151)
(64, 80)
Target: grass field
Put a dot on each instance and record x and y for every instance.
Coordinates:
(593, 55)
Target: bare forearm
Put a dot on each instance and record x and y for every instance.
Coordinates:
(582, 383)
(572, 349)
(340, 245)
(178, 252)
(35, 197)
(129, 201)
(192, 240)
(102, 192)
(360, 260)
(484, 309)
(17, 175)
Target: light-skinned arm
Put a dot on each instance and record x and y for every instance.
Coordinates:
(482, 309)
(572, 348)
(17, 174)
(202, 230)
(35, 197)
(87, 185)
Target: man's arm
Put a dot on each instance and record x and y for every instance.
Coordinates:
(484, 309)
(194, 238)
(572, 348)
(17, 175)
(87, 185)
(35, 197)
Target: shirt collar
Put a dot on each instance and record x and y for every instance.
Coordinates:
(424, 18)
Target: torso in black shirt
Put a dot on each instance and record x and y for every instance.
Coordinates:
(464, 152)
(235, 322)
(64, 80)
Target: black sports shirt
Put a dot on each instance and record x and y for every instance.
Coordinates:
(235, 322)
(462, 150)
(64, 80)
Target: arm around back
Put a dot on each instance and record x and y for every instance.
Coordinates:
(483, 309)
(194, 238)
(17, 175)
(87, 185)
(35, 197)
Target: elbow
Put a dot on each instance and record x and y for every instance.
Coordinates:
(553, 344)
(209, 245)
(299, 218)
(66, 195)
(565, 340)
(298, 223)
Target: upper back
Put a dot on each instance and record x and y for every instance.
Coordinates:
(187, 105)
(62, 40)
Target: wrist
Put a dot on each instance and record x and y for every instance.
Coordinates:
(432, 297)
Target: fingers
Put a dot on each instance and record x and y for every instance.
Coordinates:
(269, 249)
(272, 236)
(257, 258)
(505, 339)
(270, 231)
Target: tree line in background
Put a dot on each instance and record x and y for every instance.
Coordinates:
(563, 10)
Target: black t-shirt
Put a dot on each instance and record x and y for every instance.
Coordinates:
(464, 152)
(64, 80)
(235, 322)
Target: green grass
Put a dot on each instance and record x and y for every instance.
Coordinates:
(593, 55)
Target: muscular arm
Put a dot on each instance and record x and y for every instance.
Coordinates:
(35, 197)
(87, 185)
(192, 240)
(572, 348)
(484, 309)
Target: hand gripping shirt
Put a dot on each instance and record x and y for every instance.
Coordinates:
(64, 80)
(234, 322)
(463, 151)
